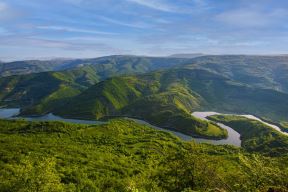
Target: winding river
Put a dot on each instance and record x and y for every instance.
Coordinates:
(233, 136)
(204, 115)
(232, 139)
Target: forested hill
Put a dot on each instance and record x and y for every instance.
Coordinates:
(31, 89)
(109, 65)
(262, 71)
(268, 72)
(165, 97)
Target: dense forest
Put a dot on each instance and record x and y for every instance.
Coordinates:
(122, 155)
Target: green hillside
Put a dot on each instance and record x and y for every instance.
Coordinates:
(164, 98)
(167, 98)
(27, 67)
(37, 92)
(256, 136)
(141, 97)
(270, 72)
(125, 156)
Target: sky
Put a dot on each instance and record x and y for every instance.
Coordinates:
(40, 29)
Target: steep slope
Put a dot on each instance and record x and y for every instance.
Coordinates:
(167, 98)
(37, 93)
(145, 98)
(270, 72)
(28, 91)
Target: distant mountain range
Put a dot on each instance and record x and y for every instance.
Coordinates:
(187, 55)
(123, 62)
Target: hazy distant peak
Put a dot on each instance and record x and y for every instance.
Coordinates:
(187, 55)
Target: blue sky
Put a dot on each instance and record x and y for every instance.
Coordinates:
(90, 28)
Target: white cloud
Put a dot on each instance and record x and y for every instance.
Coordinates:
(155, 4)
(71, 29)
(140, 25)
(183, 6)
(251, 17)
(249, 43)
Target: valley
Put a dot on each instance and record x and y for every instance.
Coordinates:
(233, 137)
(133, 126)
(164, 97)
(143, 96)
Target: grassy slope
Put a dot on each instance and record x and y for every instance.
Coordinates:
(166, 98)
(223, 95)
(284, 126)
(39, 91)
(125, 156)
(165, 103)
(240, 97)
(255, 135)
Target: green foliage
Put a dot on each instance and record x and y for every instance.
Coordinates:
(37, 174)
(154, 97)
(168, 97)
(125, 156)
(284, 126)
(268, 72)
(165, 98)
(26, 67)
(35, 92)
(256, 136)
